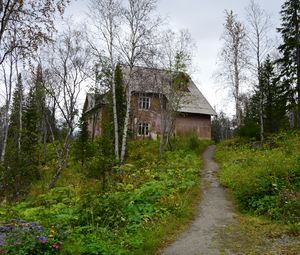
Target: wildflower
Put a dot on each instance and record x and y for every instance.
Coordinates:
(33, 224)
(5, 228)
(41, 239)
(56, 245)
(39, 229)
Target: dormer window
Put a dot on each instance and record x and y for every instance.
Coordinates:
(144, 102)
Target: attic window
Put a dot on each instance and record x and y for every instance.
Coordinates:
(144, 102)
(143, 129)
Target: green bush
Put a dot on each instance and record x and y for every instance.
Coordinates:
(250, 129)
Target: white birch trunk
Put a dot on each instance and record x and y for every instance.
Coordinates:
(4, 140)
(125, 130)
(162, 125)
(20, 123)
(116, 127)
(237, 89)
(8, 88)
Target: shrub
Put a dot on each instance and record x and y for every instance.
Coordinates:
(250, 129)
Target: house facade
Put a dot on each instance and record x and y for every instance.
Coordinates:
(150, 99)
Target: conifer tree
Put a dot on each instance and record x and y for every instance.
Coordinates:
(120, 99)
(31, 118)
(13, 157)
(16, 121)
(290, 50)
(274, 94)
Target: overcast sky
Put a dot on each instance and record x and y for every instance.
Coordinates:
(204, 19)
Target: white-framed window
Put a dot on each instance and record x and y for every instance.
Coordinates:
(144, 102)
(143, 129)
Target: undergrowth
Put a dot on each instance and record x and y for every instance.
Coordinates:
(144, 203)
(265, 180)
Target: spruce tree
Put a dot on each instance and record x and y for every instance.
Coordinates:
(31, 118)
(14, 167)
(34, 127)
(16, 119)
(120, 99)
(274, 95)
(290, 50)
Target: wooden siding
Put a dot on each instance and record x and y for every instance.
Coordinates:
(197, 124)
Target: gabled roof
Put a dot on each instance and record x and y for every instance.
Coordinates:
(93, 101)
(195, 102)
(152, 80)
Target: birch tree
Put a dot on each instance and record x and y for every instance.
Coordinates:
(233, 58)
(24, 26)
(174, 56)
(69, 68)
(260, 46)
(30, 23)
(8, 79)
(135, 46)
(106, 16)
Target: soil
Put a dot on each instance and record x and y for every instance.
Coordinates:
(214, 212)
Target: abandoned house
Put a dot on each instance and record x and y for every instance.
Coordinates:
(151, 96)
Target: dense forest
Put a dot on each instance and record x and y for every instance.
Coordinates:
(65, 192)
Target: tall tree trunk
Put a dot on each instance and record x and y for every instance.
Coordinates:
(261, 118)
(45, 142)
(20, 123)
(237, 86)
(126, 123)
(261, 95)
(298, 66)
(162, 125)
(116, 126)
(56, 175)
(8, 88)
(62, 159)
(237, 92)
(5, 138)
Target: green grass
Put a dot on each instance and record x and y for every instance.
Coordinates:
(265, 184)
(264, 180)
(146, 203)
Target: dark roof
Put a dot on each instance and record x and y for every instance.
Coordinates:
(152, 80)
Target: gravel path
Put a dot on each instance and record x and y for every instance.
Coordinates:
(214, 212)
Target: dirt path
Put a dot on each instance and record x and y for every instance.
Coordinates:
(214, 212)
